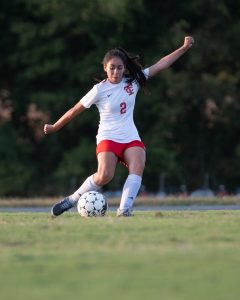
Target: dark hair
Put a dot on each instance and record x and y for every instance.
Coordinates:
(131, 63)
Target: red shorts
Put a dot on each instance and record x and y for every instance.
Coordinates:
(117, 148)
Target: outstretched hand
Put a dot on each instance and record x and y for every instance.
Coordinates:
(188, 42)
(48, 128)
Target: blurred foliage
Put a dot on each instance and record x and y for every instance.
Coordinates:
(51, 53)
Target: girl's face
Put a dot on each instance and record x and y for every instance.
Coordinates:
(114, 69)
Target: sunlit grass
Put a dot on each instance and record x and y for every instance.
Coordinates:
(153, 255)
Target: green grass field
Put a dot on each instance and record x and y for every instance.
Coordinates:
(166, 255)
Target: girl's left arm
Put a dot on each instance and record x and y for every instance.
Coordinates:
(169, 59)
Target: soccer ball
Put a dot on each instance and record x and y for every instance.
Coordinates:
(92, 204)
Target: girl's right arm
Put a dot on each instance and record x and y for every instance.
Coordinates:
(66, 118)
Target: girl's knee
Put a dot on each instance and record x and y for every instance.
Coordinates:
(137, 167)
(103, 177)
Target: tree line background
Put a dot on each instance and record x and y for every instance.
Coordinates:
(51, 53)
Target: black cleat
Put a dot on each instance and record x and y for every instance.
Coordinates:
(60, 207)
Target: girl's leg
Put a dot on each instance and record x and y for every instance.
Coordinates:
(107, 162)
(106, 168)
(135, 158)
(88, 185)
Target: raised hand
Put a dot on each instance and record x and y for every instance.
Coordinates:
(48, 128)
(188, 42)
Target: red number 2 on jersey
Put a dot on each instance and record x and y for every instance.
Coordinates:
(123, 108)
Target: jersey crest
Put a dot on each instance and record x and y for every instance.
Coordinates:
(129, 89)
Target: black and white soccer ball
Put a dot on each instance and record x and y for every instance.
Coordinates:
(92, 204)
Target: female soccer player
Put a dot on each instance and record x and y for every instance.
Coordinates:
(117, 138)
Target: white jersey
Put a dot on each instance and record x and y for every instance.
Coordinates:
(115, 103)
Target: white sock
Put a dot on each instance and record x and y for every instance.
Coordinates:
(88, 185)
(130, 191)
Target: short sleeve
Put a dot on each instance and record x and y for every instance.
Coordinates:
(90, 98)
(146, 72)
